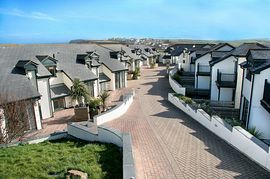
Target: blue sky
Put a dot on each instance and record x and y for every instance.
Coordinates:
(52, 21)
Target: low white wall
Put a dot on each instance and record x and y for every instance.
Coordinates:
(236, 136)
(115, 112)
(175, 85)
(103, 134)
(108, 135)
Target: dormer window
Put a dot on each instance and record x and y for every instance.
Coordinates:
(114, 55)
(49, 62)
(52, 70)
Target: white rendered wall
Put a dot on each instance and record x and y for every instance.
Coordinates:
(58, 79)
(203, 82)
(259, 117)
(115, 112)
(175, 85)
(246, 87)
(96, 88)
(186, 65)
(45, 100)
(67, 81)
(69, 102)
(238, 88)
(108, 73)
(37, 116)
(236, 136)
(204, 60)
(225, 66)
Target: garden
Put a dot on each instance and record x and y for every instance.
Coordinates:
(53, 159)
(205, 105)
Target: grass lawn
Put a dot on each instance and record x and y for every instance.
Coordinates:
(53, 159)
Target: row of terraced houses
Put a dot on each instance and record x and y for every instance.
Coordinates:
(221, 73)
(43, 75)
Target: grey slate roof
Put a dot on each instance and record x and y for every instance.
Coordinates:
(240, 51)
(59, 90)
(16, 86)
(243, 49)
(143, 51)
(214, 48)
(113, 64)
(178, 48)
(127, 50)
(257, 60)
(103, 78)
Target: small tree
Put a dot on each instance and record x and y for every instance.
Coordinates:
(94, 104)
(13, 119)
(79, 91)
(167, 66)
(103, 97)
(136, 73)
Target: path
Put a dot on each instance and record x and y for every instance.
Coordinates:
(169, 144)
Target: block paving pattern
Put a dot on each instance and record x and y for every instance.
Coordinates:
(167, 143)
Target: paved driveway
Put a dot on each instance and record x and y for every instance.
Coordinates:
(169, 144)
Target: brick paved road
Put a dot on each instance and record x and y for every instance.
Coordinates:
(169, 144)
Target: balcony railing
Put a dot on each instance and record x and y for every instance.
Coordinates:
(226, 80)
(265, 102)
(203, 70)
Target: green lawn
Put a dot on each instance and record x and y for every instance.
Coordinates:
(53, 159)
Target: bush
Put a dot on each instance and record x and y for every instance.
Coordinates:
(136, 73)
(152, 64)
(176, 77)
(186, 99)
(234, 122)
(255, 132)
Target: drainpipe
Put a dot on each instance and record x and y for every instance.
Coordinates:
(241, 94)
(250, 102)
(210, 88)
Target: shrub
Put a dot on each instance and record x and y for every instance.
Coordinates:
(186, 99)
(152, 64)
(234, 122)
(136, 73)
(176, 77)
(255, 132)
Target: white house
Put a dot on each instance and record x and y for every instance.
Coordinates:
(186, 59)
(202, 67)
(44, 75)
(227, 74)
(255, 95)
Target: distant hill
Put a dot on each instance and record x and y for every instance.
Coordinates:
(233, 42)
(167, 41)
(82, 41)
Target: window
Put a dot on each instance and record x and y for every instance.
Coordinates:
(248, 74)
(90, 86)
(52, 70)
(184, 61)
(59, 104)
(119, 80)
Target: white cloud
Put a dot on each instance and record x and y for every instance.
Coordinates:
(32, 15)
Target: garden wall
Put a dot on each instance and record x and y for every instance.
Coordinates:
(117, 111)
(174, 84)
(236, 136)
(108, 135)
